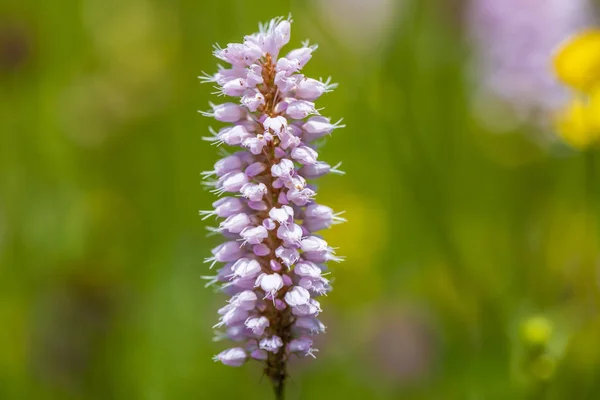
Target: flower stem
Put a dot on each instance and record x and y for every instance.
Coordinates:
(279, 319)
(277, 363)
(278, 387)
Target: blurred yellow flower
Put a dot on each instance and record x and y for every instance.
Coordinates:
(577, 61)
(577, 125)
(536, 330)
(577, 64)
(594, 108)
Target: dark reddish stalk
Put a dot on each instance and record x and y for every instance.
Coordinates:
(280, 321)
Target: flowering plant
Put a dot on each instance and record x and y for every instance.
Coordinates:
(274, 261)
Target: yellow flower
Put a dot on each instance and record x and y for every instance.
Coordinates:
(594, 108)
(577, 125)
(537, 330)
(577, 61)
(577, 64)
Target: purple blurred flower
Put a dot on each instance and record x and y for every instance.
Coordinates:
(273, 260)
(513, 42)
(402, 345)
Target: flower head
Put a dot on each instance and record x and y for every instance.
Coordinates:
(273, 258)
(577, 65)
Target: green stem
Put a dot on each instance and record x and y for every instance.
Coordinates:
(590, 180)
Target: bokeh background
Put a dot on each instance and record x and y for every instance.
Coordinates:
(472, 245)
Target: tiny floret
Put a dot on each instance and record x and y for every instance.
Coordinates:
(234, 357)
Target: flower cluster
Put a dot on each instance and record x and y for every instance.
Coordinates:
(577, 64)
(273, 259)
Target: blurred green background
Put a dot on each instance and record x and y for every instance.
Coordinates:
(472, 267)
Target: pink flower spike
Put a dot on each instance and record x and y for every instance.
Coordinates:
(273, 262)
